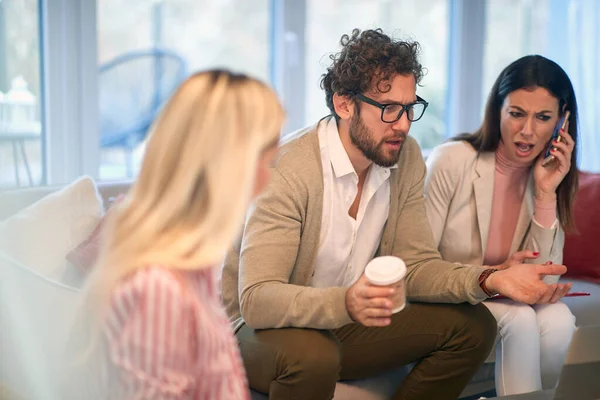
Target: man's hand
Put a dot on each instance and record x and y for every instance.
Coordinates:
(523, 283)
(368, 304)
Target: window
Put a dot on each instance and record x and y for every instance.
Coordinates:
(145, 48)
(107, 66)
(21, 155)
(566, 31)
(423, 21)
(514, 28)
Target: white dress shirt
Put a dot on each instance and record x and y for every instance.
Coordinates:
(340, 261)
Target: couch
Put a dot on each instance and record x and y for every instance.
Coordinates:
(37, 309)
(37, 305)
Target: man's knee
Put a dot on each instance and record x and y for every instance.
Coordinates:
(313, 355)
(297, 356)
(484, 327)
(476, 329)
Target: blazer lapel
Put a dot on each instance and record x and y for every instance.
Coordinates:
(484, 193)
(525, 217)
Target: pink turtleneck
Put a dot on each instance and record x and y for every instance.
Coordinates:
(510, 182)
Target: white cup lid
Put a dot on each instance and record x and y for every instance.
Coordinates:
(385, 270)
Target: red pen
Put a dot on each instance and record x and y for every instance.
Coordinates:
(570, 294)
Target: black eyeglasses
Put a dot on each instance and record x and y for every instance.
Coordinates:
(392, 112)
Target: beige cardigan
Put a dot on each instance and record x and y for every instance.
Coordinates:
(459, 189)
(266, 275)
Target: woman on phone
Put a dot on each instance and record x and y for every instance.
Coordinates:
(491, 202)
(152, 325)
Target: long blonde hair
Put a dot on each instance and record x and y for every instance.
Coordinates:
(194, 185)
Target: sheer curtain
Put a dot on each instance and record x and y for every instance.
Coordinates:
(576, 46)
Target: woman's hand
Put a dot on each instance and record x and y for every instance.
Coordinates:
(549, 177)
(517, 258)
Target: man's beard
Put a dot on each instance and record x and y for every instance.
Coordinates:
(361, 137)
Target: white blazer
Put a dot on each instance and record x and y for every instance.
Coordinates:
(459, 189)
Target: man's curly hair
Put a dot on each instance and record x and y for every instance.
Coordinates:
(369, 59)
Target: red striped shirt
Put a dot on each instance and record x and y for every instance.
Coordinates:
(168, 337)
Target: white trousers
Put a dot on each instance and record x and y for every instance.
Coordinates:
(532, 344)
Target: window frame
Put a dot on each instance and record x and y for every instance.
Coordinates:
(465, 69)
(69, 71)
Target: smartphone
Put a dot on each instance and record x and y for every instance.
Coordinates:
(562, 123)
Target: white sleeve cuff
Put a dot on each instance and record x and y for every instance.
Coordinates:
(551, 227)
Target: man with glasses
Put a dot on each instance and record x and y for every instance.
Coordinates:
(342, 192)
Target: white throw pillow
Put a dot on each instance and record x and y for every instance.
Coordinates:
(41, 235)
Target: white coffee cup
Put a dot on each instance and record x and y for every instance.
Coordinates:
(389, 271)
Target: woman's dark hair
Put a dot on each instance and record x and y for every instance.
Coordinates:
(369, 57)
(530, 72)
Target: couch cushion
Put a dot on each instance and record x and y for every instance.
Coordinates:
(36, 315)
(585, 309)
(84, 256)
(581, 251)
(40, 236)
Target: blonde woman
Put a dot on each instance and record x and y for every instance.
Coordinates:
(152, 326)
